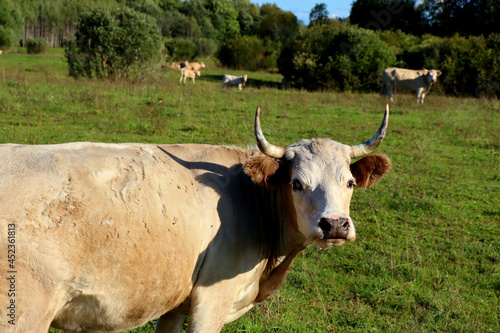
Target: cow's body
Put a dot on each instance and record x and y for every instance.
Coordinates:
(419, 81)
(195, 66)
(110, 236)
(231, 80)
(185, 73)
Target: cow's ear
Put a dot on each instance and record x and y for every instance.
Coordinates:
(439, 72)
(370, 169)
(266, 171)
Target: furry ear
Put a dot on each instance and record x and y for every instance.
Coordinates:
(265, 171)
(370, 169)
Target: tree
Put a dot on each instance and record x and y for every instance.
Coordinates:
(277, 25)
(224, 18)
(318, 14)
(11, 23)
(448, 17)
(389, 15)
(108, 42)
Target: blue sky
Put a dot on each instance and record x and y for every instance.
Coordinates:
(302, 8)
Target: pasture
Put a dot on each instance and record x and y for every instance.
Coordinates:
(427, 254)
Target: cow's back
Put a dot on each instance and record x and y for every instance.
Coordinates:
(108, 229)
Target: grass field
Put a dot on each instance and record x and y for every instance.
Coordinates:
(427, 254)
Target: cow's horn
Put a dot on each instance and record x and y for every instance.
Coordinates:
(265, 147)
(367, 147)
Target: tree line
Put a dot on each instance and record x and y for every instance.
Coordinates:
(329, 53)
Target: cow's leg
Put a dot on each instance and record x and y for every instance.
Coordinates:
(389, 89)
(170, 322)
(209, 308)
(40, 314)
(420, 94)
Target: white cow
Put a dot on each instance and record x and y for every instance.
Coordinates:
(100, 237)
(188, 73)
(417, 80)
(231, 80)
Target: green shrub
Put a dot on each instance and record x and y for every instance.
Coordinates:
(108, 42)
(36, 46)
(247, 52)
(205, 47)
(5, 37)
(181, 49)
(471, 65)
(335, 57)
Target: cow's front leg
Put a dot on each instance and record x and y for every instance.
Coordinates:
(420, 93)
(170, 322)
(209, 309)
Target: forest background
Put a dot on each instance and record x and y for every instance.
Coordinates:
(341, 54)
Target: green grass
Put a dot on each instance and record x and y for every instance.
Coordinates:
(427, 255)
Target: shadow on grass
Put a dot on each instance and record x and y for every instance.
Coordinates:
(255, 83)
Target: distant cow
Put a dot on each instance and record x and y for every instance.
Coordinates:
(175, 65)
(100, 237)
(417, 80)
(195, 66)
(188, 73)
(231, 80)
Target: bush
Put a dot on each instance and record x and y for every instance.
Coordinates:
(247, 52)
(335, 57)
(181, 49)
(36, 46)
(5, 37)
(205, 47)
(108, 42)
(471, 65)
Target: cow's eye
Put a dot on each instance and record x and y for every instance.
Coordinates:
(296, 185)
(351, 183)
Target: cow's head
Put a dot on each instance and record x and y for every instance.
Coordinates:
(320, 177)
(245, 77)
(432, 75)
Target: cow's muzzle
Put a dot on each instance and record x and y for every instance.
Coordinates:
(335, 228)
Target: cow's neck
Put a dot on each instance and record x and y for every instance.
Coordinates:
(289, 245)
(270, 283)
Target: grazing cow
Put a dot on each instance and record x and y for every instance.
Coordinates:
(231, 80)
(188, 73)
(195, 66)
(417, 80)
(105, 237)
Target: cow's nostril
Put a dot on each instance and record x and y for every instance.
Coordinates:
(325, 225)
(346, 225)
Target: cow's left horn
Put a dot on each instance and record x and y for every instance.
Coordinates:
(367, 147)
(265, 147)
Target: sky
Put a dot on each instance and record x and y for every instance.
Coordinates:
(302, 8)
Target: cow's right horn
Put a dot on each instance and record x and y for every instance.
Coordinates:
(367, 147)
(265, 147)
